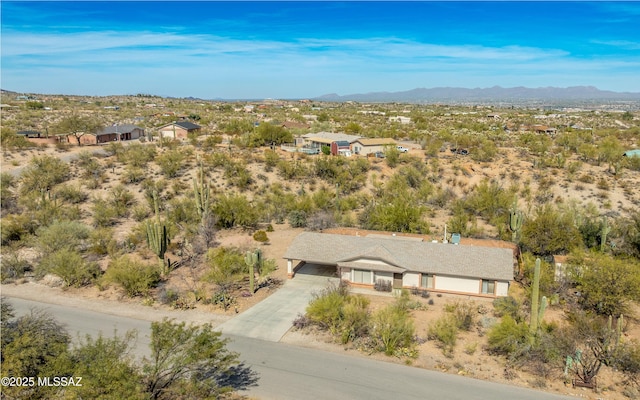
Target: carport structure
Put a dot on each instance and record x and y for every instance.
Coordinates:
(407, 262)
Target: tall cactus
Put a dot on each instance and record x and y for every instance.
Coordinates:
(157, 238)
(603, 233)
(201, 193)
(516, 217)
(251, 259)
(535, 305)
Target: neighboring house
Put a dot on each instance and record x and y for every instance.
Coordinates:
(317, 140)
(40, 138)
(400, 119)
(632, 153)
(112, 133)
(30, 134)
(178, 130)
(407, 262)
(366, 146)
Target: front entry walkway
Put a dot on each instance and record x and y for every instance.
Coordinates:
(273, 317)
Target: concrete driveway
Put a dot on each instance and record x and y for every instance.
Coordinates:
(273, 317)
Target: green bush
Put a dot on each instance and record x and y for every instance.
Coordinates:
(101, 242)
(355, 318)
(297, 219)
(393, 328)
(70, 266)
(71, 194)
(13, 266)
(445, 331)
(104, 213)
(61, 235)
(508, 336)
(325, 309)
(43, 173)
(261, 236)
(136, 278)
(508, 306)
(464, 314)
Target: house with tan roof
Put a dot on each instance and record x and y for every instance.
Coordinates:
(407, 262)
(366, 146)
(178, 130)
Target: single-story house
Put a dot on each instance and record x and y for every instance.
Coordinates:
(407, 262)
(365, 146)
(400, 119)
(317, 140)
(112, 133)
(30, 134)
(178, 130)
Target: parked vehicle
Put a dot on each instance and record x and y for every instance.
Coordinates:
(379, 154)
(402, 149)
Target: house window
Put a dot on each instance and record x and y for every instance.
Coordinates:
(488, 287)
(361, 276)
(427, 281)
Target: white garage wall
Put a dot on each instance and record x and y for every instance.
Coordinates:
(465, 285)
(346, 274)
(411, 279)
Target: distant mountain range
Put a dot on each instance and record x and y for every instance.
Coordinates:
(496, 93)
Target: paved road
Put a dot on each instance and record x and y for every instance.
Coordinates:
(272, 318)
(287, 372)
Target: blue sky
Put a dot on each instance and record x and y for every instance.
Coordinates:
(306, 49)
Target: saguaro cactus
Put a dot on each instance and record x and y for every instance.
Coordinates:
(157, 238)
(251, 259)
(603, 233)
(201, 193)
(537, 307)
(515, 221)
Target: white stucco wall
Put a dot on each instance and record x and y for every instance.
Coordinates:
(465, 285)
(411, 279)
(502, 288)
(346, 274)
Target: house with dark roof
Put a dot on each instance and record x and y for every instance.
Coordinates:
(178, 130)
(112, 133)
(407, 262)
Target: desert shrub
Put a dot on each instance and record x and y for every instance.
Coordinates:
(101, 241)
(136, 278)
(170, 163)
(225, 264)
(271, 159)
(133, 174)
(382, 285)
(445, 331)
(71, 194)
(261, 236)
(104, 213)
(550, 232)
(13, 266)
(70, 266)
(16, 227)
(43, 173)
(136, 155)
(464, 314)
(508, 306)
(297, 219)
(121, 199)
(325, 309)
(508, 336)
(234, 210)
(607, 284)
(355, 318)
(61, 235)
(393, 328)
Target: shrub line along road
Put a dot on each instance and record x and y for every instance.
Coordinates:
(290, 372)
